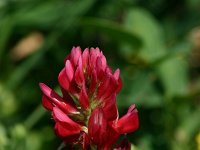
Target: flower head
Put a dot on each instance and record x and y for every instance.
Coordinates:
(87, 113)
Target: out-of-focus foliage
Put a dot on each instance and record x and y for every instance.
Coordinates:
(156, 45)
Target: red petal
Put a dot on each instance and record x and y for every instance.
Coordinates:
(104, 86)
(66, 133)
(63, 80)
(119, 85)
(85, 57)
(75, 54)
(107, 87)
(129, 122)
(84, 102)
(108, 70)
(116, 74)
(71, 127)
(99, 130)
(110, 108)
(112, 138)
(73, 89)
(101, 62)
(94, 53)
(112, 88)
(57, 100)
(93, 82)
(46, 103)
(100, 67)
(117, 78)
(97, 127)
(67, 97)
(79, 75)
(69, 70)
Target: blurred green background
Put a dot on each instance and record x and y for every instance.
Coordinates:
(155, 43)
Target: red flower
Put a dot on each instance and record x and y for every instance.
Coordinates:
(104, 133)
(87, 112)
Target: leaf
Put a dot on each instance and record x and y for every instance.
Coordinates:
(142, 24)
(173, 73)
(140, 91)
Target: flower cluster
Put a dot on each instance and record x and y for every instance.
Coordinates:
(87, 113)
